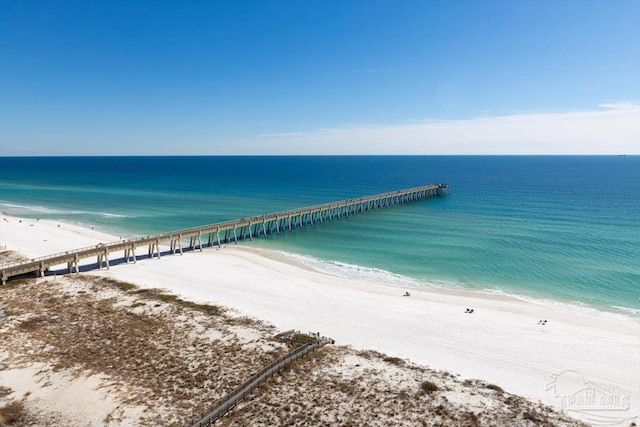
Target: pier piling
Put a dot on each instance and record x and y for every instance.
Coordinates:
(264, 225)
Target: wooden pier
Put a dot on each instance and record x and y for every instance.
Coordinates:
(224, 232)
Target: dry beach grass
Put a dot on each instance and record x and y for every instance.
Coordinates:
(343, 387)
(502, 342)
(167, 357)
(158, 360)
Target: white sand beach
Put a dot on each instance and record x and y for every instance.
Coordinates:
(576, 353)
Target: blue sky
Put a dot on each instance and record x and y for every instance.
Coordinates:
(319, 77)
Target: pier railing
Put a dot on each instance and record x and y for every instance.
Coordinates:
(222, 232)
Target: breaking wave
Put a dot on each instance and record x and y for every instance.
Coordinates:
(32, 210)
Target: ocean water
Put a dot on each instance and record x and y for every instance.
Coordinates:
(564, 229)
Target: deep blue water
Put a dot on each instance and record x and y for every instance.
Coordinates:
(562, 228)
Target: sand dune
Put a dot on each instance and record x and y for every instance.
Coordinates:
(573, 354)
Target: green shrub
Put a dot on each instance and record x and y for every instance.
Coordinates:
(429, 387)
(394, 360)
(303, 338)
(495, 387)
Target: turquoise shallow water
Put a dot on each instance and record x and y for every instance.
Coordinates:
(559, 228)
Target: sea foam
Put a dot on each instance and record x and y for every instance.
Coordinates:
(18, 209)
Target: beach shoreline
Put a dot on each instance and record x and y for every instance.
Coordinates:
(32, 246)
(502, 341)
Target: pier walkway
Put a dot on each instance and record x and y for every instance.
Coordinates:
(223, 232)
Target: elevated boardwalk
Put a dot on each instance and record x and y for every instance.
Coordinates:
(223, 232)
(228, 402)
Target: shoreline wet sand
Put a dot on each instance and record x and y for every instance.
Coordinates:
(501, 342)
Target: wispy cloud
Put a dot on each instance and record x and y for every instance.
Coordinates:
(612, 128)
(370, 70)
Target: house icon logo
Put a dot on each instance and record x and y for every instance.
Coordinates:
(606, 406)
